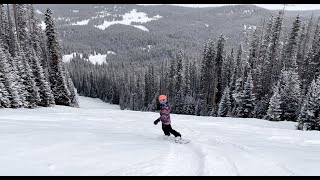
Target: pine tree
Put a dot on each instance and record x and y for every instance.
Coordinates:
(9, 78)
(291, 48)
(57, 80)
(217, 88)
(12, 40)
(274, 111)
(227, 69)
(211, 82)
(122, 99)
(4, 27)
(236, 95)
(273, 56)
(239, 61)
(254, 48)
(49, 99)
(171, 83)
(301, 48)
(290, 94)
(309, 116)
(263, 57)
(4, 95)
(178, 86)
(246, 101)
(187, 79)
(206, 80)
(311, 63)
(20, 77)
(42, 82)
(32, 96)
(225, 104)
(153, 105)
(302, 60)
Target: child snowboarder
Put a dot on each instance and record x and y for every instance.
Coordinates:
(165, 119)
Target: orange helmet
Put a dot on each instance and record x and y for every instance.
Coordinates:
(162, 98)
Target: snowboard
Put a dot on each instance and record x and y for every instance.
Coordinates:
(183, 141)
(172, 139)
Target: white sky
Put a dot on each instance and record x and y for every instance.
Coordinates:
(267, 6)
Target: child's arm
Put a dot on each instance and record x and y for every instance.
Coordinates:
(156, 121)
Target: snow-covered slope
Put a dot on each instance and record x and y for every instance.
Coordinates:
(100, 139)
(128, 18)
(93, 58)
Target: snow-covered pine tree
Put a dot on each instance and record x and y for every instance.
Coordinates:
(291, 48)
(309, 115)
(238, 65)
(4, 95)
(263, 56)
(12, 39)
(122, 99)
(246, 101)
(149, 86)
(273, 55)
(49, 99)
(274, 111)
(217, 69)
(153, 105)
(311, 63)
(188, 100)
(236, 95)
(227, 69)
(206, 80)
(10, 49)
(9, 77)
(301, 36)
(210, 108)
(290, 95)
(4, 27)
(304, 38)
(178, 86)
(254, 48)
(171, 82)
(32, 96)
(57, 80)
(46, 96)
(187, 79)
(225, 104)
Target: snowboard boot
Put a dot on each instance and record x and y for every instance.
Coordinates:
(165, 137)
(177, 139)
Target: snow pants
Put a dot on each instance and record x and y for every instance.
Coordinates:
(167, 129)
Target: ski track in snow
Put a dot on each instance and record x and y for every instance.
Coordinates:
(244, 151)
(100, 139)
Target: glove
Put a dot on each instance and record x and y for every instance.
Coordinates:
(156, 121)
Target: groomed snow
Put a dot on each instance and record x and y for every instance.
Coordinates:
(101, 139)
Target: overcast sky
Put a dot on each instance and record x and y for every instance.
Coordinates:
(267, 6)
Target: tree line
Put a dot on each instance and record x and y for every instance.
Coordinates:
(276, 78)
(32, 73)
